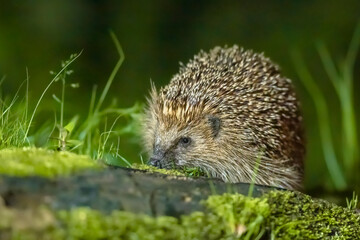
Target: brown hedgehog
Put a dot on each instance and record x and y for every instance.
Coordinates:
(232, 114)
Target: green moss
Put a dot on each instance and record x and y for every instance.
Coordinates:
(84, 223)
(194, 172)
(242, 216)
(186, 172)
(276, 215)
(294, 214)
(41, 162)
(152, 169)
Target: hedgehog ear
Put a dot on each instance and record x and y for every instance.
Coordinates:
(215, 124)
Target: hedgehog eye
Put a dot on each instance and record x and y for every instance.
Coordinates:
(185, 141)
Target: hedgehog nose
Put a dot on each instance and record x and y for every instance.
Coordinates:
(155, 162)
(157, 156)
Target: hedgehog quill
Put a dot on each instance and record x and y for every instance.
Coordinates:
(222, 111)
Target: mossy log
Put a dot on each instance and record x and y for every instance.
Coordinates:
(61, 195)
(125, 189)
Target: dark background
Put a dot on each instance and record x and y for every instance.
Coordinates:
(156, 35)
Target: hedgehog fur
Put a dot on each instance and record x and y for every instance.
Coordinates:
(232, 114)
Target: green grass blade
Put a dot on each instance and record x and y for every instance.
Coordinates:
(26, 96)
(343, 84)
(101, 150)
(123, 159)
(344, 93)
(114, 71)
(55, 78)
(331, 160)
(93, 118)
(353, 48)
(254, 175)
(329, 66)
(348, 108)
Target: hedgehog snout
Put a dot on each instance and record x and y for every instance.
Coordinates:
(157, 158)
(154, 162)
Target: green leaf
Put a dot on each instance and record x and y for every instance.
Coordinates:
(71, 125)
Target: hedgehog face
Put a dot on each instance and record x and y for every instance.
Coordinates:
(182, 145)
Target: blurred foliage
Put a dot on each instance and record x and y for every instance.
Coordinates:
(38, 34)
(92, 137)
(342, 169)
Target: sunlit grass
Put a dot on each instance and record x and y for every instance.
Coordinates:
(13, 120)
(97, 134)
(353, 202)
(342, 161)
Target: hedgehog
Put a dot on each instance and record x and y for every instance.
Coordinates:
(230, 113)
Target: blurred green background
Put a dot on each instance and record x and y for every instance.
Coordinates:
(156, 35)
